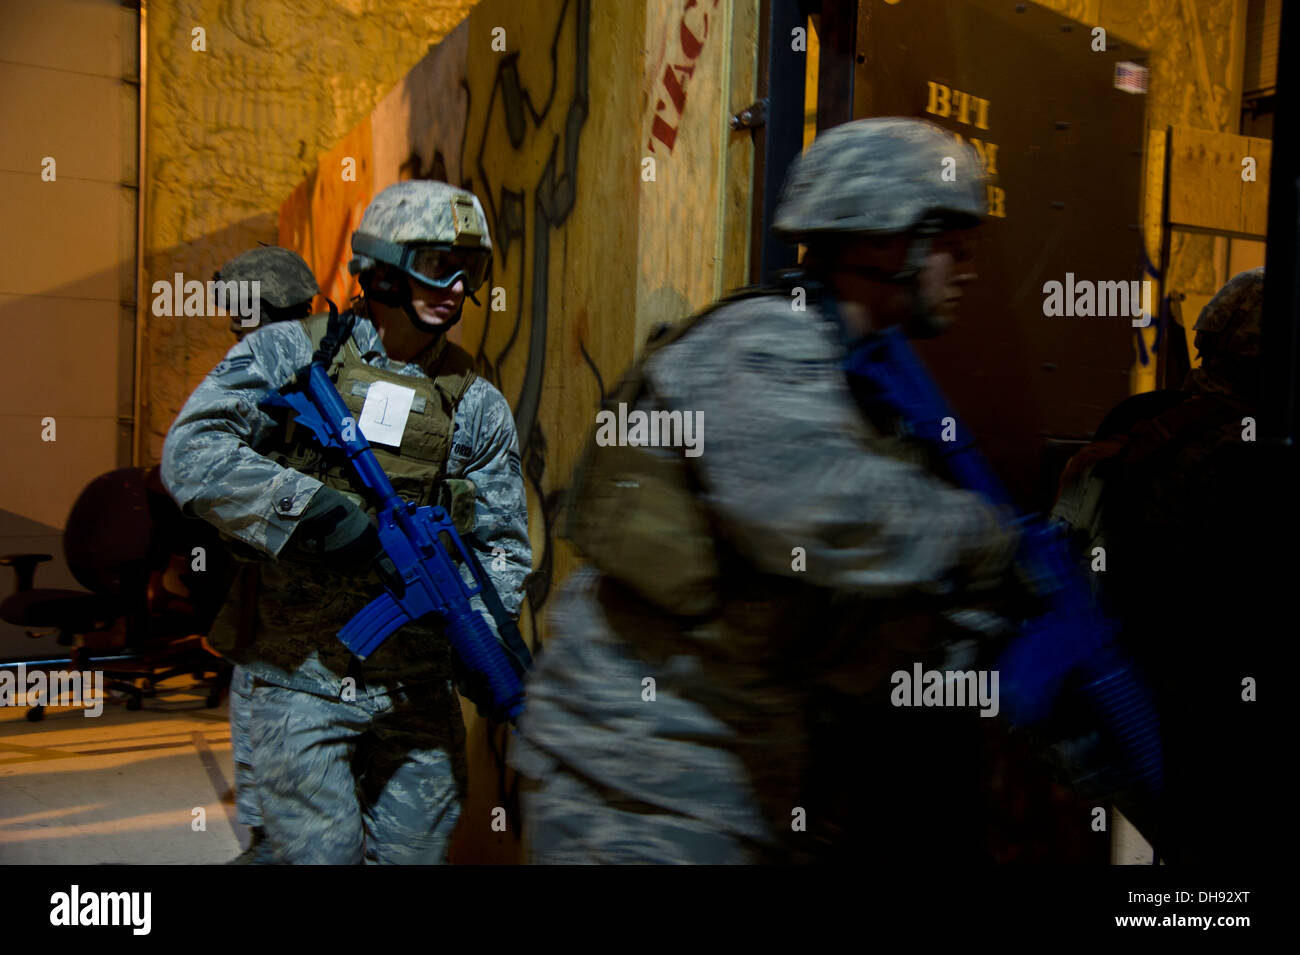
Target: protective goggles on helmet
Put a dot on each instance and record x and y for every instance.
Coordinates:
(439, 266)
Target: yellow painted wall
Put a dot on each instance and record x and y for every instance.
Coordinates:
(233, 129)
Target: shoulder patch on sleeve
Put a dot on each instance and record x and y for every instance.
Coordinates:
(228, 365)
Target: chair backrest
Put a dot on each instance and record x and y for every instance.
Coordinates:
(108, 539)
(204, 585)
(123, 535)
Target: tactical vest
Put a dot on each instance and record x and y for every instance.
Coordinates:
(417, 468)
(636, 513)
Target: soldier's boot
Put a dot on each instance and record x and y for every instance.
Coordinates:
(258, 851)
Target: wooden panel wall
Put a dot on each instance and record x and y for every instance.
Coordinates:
(1206, 185)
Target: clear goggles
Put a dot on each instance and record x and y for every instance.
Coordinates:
(439, 266)
(442, 266)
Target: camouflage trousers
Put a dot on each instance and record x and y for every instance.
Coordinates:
(376, 780)
(607, 776)
(248, 811)
(568, 820)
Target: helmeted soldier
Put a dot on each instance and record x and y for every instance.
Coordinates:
(1229, 332)
(358, 761)
(1181, 497)
(738, 602)
(285, 285)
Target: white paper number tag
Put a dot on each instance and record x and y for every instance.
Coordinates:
(383, 416)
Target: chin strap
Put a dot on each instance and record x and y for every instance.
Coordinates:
(409, 311)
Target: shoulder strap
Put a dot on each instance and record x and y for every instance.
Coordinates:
(323, 346)
(628, 391)
(315, 326)
(455, 373)
(630, 385)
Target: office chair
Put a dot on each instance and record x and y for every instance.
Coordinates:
(128, 544)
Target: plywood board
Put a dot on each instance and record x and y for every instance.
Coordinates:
(1210, 188)
(684, 131)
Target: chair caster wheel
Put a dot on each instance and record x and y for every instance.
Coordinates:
(133, 703)
(36, 714)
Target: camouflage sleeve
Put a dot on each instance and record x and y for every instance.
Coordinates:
(486, 451)
(788, 462)
(209, 464)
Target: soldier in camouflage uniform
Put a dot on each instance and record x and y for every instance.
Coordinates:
(286, 287)
(1183, 499)
(358, 762)
(740, 602)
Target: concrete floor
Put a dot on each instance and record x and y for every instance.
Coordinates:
(122, 787)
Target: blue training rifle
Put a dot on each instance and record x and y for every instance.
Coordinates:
(1073, 637)
(427, 579)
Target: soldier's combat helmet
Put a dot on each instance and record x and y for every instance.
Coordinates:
(1231, 323)
(1228, 333)
(880, 176)
(286, 285)
(433, 232)
(286, 280)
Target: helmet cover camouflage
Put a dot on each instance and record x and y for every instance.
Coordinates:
(286, 280)
(418, 212)
(1230, 324)
(879, 176)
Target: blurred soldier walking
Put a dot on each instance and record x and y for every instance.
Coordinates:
(741, 604)
(357, 761)
(1185, 501)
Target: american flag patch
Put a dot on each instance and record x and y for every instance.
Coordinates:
(1131, 77)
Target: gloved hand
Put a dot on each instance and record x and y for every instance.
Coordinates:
(334, 534)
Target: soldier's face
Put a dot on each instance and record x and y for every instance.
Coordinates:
(860, 278)
(949, 266)
(436, 307)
